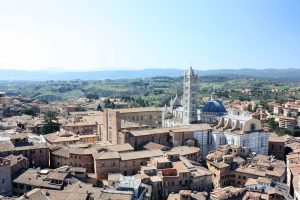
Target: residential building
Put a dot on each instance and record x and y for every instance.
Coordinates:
(234, 165)
(228, 192)
(5, 177)
(188, 195)
(31, 146)
(64, 178)
(171, 173)
(81, 127)
(277, 146)
(82, 155)
(277, 109)
(198, 135)
(267, 187)
(68, 137)
(287, 122)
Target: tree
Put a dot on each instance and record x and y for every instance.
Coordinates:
(51, 124)
(272, 124)
(80, 109)
(99, 108)
(108, 103)
(31, 111)
(249, 107)
(92, 96)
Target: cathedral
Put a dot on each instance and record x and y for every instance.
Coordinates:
(227, 128)
(183, 111)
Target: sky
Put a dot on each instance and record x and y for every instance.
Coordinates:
(81, 35)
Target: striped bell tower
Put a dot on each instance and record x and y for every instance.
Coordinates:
(190, 87)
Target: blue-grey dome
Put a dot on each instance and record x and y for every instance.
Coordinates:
(214, 106)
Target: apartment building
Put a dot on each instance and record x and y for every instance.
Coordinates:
(170, 173)
(82, 155)
(68, 137)
(287, 122)
(234, 167)
(31, 146)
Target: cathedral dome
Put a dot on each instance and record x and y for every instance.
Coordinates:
(214, 106)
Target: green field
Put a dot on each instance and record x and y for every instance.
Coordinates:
(154, 91)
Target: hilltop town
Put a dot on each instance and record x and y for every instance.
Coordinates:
(185, 146)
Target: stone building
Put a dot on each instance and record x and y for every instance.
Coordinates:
(277, 146)
(31, 146)
(229, 192)
(10, 166)
(198, 135)
(129, 163)
(287, 122)
(234, 165)
(82, 155)
(5, 177)
(113, 119)
(81, 126)
(60, 179)
(69, 137)
(171, 173)
(266, 188)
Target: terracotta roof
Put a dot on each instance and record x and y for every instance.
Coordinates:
(153, 145)
(140, 154)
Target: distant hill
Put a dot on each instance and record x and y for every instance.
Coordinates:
(275, 74)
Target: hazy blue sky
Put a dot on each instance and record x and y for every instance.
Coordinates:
(86, 35)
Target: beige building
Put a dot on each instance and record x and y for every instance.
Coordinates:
(277, 145)
(233, 165)
(287, 122)
(229, 192)
(82, 155)
(69, 137)
(129, 163)
(10, 166)
(171, 173)
(113, 119)
(81, 127)
(188, 195)
(31, 146)
(198, 135)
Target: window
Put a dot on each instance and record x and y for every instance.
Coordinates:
(252, 127)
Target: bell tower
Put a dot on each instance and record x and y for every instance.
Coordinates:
(190, 87)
